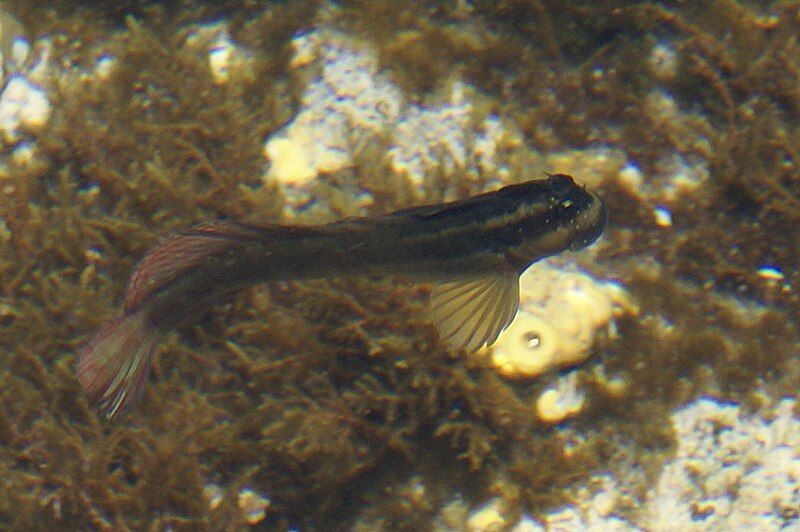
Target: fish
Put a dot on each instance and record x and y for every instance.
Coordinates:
(472, 251)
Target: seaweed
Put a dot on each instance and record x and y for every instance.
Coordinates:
(334, 399)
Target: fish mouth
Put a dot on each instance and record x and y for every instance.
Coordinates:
(594, 223)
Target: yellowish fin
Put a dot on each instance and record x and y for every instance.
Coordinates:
(472, 312)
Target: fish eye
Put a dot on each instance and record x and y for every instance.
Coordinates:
(560, 184)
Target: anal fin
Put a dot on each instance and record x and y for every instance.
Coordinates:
(473, 311)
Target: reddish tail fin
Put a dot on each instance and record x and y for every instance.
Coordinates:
(115, 363)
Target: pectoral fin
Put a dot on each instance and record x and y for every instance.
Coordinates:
(472, 312)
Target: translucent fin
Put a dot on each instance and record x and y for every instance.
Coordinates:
(113, 366)
(178, 253)
(472, 312)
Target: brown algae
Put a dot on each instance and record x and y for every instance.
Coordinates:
(333, 399)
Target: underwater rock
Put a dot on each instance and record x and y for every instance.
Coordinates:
(104, 66)
(253, 505)
(771, 273)
(663, 62)
(731, 471)
(23, 106)
(561, 401)
(220, 57)
(687, 167)
(527, 524)
(348, 94)
(560, 314)
(14, 46)
(224, 56)
(531, 346)
(487, 518)
(350, 99)
(444, 135)
(593, 509)
(214, 494)
(631, 178)
(663, 217)
(681, 174)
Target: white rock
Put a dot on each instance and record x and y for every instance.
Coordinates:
(253, 505)
(560, 314)
(663, 216)
(487, 518)
(20, 47)
(104, 66)
(731, 472)
(23, 105)
(561, 401)
(220, 56)
(663, 61)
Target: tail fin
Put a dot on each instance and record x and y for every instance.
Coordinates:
(113, 366)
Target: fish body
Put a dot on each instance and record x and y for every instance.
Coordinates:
(473, 250)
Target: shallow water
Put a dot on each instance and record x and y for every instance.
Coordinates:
(331, 405)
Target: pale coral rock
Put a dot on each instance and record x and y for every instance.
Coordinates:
(663, 217)
(290, 163)
(663, 61)
(23, 106)
(487, 518)
(20, 48)
(561, 401)
(224, 55)
(253, 505)
(678, 173)
(531, 346)
(527, 524)
(348, 98)
(731, 472)
(220, 56)
(592, 511)
(560, 314)
(14, 46)
(349, 94)
(452, 516)
(770, 273)
(613, 386)
(631, 177)
(486, 145)
(426, 137)
(214, 495)
(445, 136)
(104, 66)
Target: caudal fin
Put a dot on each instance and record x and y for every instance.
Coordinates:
(113, 366)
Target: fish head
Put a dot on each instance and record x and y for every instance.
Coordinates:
(554, 215)
(585, 223)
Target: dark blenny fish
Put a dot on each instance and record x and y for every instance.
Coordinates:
(473, 251)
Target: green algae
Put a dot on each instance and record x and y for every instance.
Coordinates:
(334, 399)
